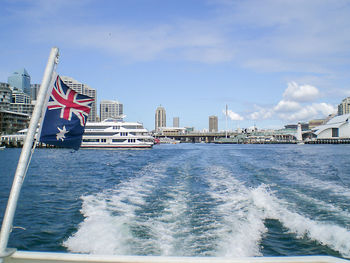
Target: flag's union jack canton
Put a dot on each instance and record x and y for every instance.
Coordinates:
(65, 118)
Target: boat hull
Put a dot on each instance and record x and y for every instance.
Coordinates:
(23, 257)
(116, 146)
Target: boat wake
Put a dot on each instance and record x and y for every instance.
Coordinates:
(174, 210)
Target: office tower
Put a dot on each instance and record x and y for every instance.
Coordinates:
(213, 124)
(85, 90)
(160, 119)
(176, 122)
(110, 109)
(21, 80)
(34, 91)
(344, 106)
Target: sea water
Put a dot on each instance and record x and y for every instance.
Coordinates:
(184, 200)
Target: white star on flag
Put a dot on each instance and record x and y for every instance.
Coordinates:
(60, 135)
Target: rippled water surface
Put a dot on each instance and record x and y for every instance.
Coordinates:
(184, 200)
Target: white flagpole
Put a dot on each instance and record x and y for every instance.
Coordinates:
(25, 156)
(226, 123)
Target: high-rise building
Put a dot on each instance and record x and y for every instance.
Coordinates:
(213, 123)
(160, 118)
(34, 91)
(344, 106)
(5, 96)
(85, 90)
(21, 80)
(176, 122)
(110, 109)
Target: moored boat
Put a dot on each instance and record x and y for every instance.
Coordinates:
(116, 133)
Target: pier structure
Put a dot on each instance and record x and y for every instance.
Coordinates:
(193, 137)
(329, 141)
(266, 137)
(231, 137)
(14, 140)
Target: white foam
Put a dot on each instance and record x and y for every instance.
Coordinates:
(172, 229)
(242, 226)
(244, 210)
(109, 216)
(334, 236)
(100, 233)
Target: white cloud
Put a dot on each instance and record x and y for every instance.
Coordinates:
(301, 93)
(325, 108)
(261, 114)
(316, 110)
(294, 36)
(287, 106)
(295, 105)
(297, 35)
(233, 115)
(176, 41)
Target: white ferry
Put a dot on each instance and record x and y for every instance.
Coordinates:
(116, 133)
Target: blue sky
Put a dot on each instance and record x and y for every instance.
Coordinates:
(272, 62)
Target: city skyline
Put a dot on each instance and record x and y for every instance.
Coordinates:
(273, 63)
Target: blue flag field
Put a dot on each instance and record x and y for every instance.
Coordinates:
(65, 118)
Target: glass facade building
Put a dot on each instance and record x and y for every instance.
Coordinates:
(20, 79)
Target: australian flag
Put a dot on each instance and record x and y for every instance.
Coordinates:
(65, 118)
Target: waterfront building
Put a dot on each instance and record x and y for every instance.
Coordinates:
(315, 123)
(171, 131)
(13, 99)
(189, 129)
(160, 118)
(20, 79)
(11, 122)
(344, 106)
(25, 108)
(19, 96)
(213, 123)
(34, 91)
(20, 102)
(85, 90)
(5, 96)
(110, 109)
(336, 128)
(176, 122)
(304, 126)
